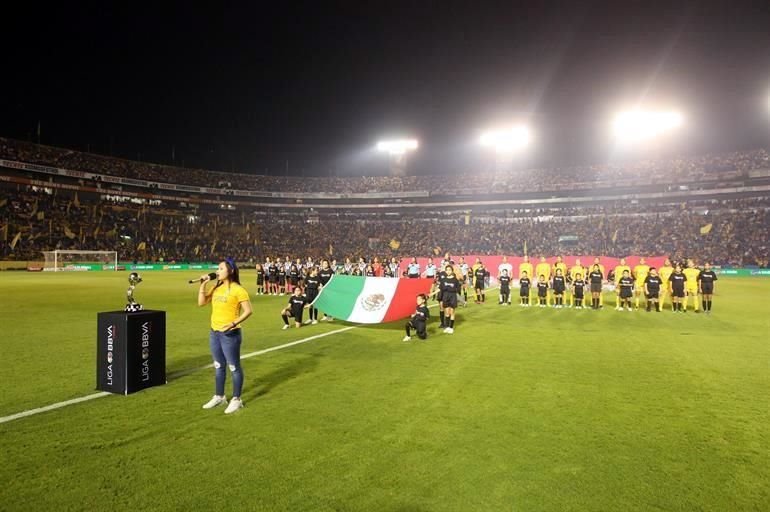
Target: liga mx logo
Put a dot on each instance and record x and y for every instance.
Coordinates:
(373, 302)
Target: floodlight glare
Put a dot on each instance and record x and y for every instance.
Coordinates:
(641, 125)
(397, 147)
(506, 140)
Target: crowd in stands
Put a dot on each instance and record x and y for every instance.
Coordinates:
(679, 170)
(725, 232)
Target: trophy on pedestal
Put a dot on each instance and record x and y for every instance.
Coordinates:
(131, 305)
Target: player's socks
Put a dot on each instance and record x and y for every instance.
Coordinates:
(708, 302)
(285, 319)
(441, 317)
(451, 323)
(648, 306)
(657, 307)
(704, 306)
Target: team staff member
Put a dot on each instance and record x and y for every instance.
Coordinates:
(622, 267)
(691, 287)
(665, 275)
(676, 287)
(641, 271)
(706, 283)
(230, 306)
(652, 286)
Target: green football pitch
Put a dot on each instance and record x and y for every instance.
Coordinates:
(519, 409)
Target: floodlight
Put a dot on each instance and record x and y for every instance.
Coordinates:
(506, 140)
(635, 125)
(397, 147)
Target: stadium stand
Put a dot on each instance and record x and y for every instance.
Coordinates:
(713, 207)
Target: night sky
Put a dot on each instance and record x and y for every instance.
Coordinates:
(314, 85)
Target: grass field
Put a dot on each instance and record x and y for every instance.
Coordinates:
(520, 409)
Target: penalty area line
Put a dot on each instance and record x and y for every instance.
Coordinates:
(101, 394)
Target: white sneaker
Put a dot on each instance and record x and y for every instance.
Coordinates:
(324, 318)
(314, 322)
(285, 327)
(449, 330)
(235, 404)
(329, 319)
(407, 338)
(307, 322)
(215, 400)
(446, 329)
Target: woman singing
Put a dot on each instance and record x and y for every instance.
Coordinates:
(230, 306)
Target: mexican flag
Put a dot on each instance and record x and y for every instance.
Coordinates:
(370, 300)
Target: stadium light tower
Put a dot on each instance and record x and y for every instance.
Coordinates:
(639, 125)
(397, 150)
(506, 143)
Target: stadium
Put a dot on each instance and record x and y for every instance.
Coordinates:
(617, 393)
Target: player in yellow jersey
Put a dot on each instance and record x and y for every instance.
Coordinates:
(544, 269)
(665, 274)
(691, 285)
(560, 265)
(641, 271)
(526, 266)
(574, 270)
(601, 269)
(619, 269)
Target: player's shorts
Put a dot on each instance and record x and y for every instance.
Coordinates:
(297, 315)
(558, 291)
(413, 276)
(260, 281)
(578, 294)
(596, 287)
(281, 281)
(692, 290)
(653, 295)
(439, 295)
(311, 295)
(677, 292)
(523, 292)
(542, 293)
(478, 285)
(639, 286)
(294, 281)
(272, 278)
(708, 289)
(449, 300)
(626, 294)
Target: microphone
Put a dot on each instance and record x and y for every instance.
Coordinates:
(212, 276)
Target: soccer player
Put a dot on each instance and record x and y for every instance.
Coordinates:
(480, 277)
(597, 261)
(272, 277)
(576, 269)
(260, 279)
(525, 267)
(626, 284)
(325, 275)
(560, 265)
(691, 272)
(665, 275)
(595, 278)
(542, 291)
(464, 268)
(544, 269)
(578, 290)
(312, 287)
(524, 285)
(419, 320)
(618, 271)
(652, 287)
(504, 265)
(413, 269)
(281, 277)
(505, 288)
(559, 286)
(449, 289)
(676, 285)
(641, 271)
(297, 303)
(706, 283)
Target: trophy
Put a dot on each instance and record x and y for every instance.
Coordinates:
(133, 306)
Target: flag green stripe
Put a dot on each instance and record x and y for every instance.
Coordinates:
(339, 296)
